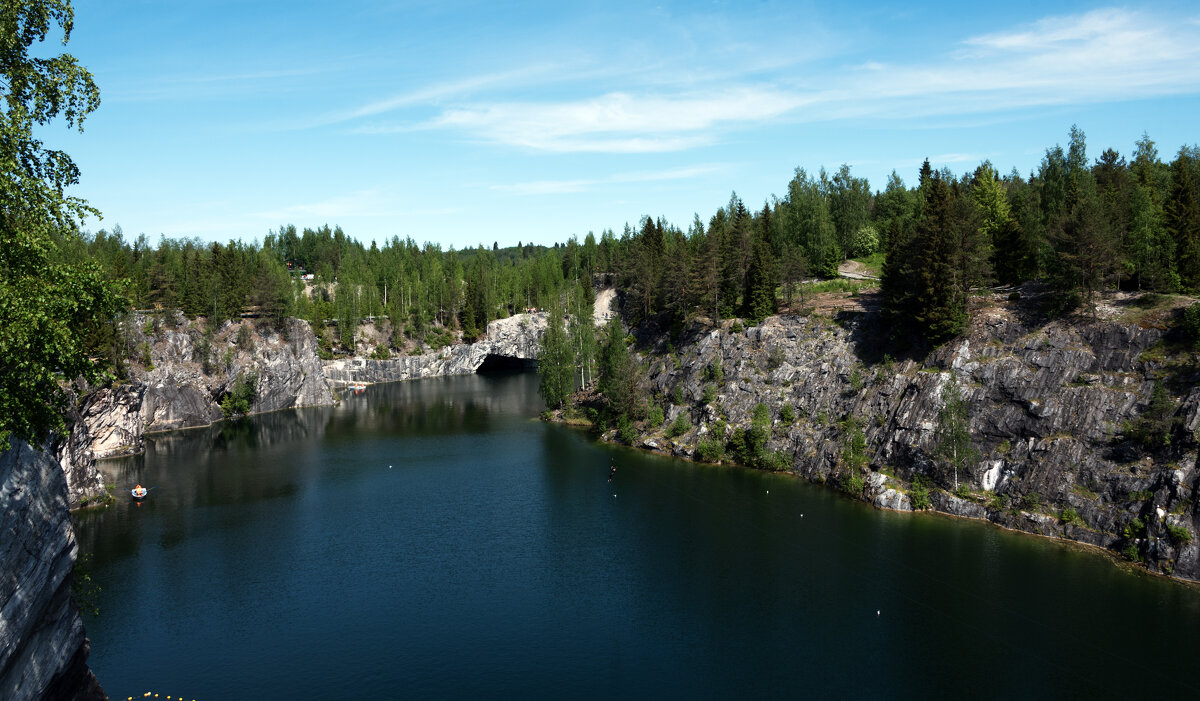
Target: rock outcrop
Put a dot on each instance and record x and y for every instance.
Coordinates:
(183, 369)
(43, 651)
(73, 451)
(517, 338)
(1050, 406)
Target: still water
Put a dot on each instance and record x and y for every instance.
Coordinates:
(431, 539)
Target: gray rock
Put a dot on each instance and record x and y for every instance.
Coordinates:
(517, 337)
(1047, 405)
(43, 651)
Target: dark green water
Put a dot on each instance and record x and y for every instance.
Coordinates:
(429, 540)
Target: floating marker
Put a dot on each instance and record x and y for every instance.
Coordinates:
(876, 612)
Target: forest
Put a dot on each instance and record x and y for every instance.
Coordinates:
(1079, 225)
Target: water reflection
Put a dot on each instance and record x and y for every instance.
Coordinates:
(430, 537)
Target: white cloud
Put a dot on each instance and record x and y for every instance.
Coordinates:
(621, 122)
(1104, 55)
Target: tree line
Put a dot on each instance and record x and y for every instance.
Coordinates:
(1080, 226)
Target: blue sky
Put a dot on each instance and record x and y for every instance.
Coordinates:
(471, 122)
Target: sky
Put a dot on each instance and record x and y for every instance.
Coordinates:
(468, 123)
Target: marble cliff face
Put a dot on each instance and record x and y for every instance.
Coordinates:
(43, 651)
(1049, 406)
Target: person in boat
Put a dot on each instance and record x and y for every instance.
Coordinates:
(612, 472)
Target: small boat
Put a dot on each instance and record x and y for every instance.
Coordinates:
(139, 492)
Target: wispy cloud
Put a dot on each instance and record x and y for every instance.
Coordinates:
(621, 122)
(556, 187)
(1098, 56)
(440, 91)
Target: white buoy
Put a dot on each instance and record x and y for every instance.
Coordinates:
(876, 612)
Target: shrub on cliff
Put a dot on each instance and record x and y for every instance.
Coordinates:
(680, 426)
(238, 401)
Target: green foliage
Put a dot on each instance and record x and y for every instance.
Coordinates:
(625, 430)
(616, 380)
(1180, 534)
(710, 394)
(865, 243)
(1141, 495)
(856, 380)
(1190, 324)
(1154, 427)
(677, 395)
(239, 400)
(749, 446)
(54, 308)
(710, 449)
(852, 482)
(381, 352)
(787, 414)
(1131, 553)
(953, 433)
(1070, 516)
(854, 453)
(1032, 501)
(244, 340)
(918, 493)
(1136, 528)
(736, 326)
(713, 371)
(845, 285)
(680, 426)
(655, 416)
(85, 591)
(556, 361)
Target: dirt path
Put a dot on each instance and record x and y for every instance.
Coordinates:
(855, 271)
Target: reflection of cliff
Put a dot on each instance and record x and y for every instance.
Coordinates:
(457, 404)
(202, 477)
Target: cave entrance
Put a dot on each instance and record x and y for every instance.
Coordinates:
(505, 363)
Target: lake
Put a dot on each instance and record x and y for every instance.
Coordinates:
(432, 539)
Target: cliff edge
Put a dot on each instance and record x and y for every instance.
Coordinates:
(43, 651)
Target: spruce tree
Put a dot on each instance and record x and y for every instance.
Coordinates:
(1182, 212)
(615, 380)
(556, 360)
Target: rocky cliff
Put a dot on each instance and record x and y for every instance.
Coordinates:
(1052, 407)
(515, 338)
(180, 370)
(43, 651)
